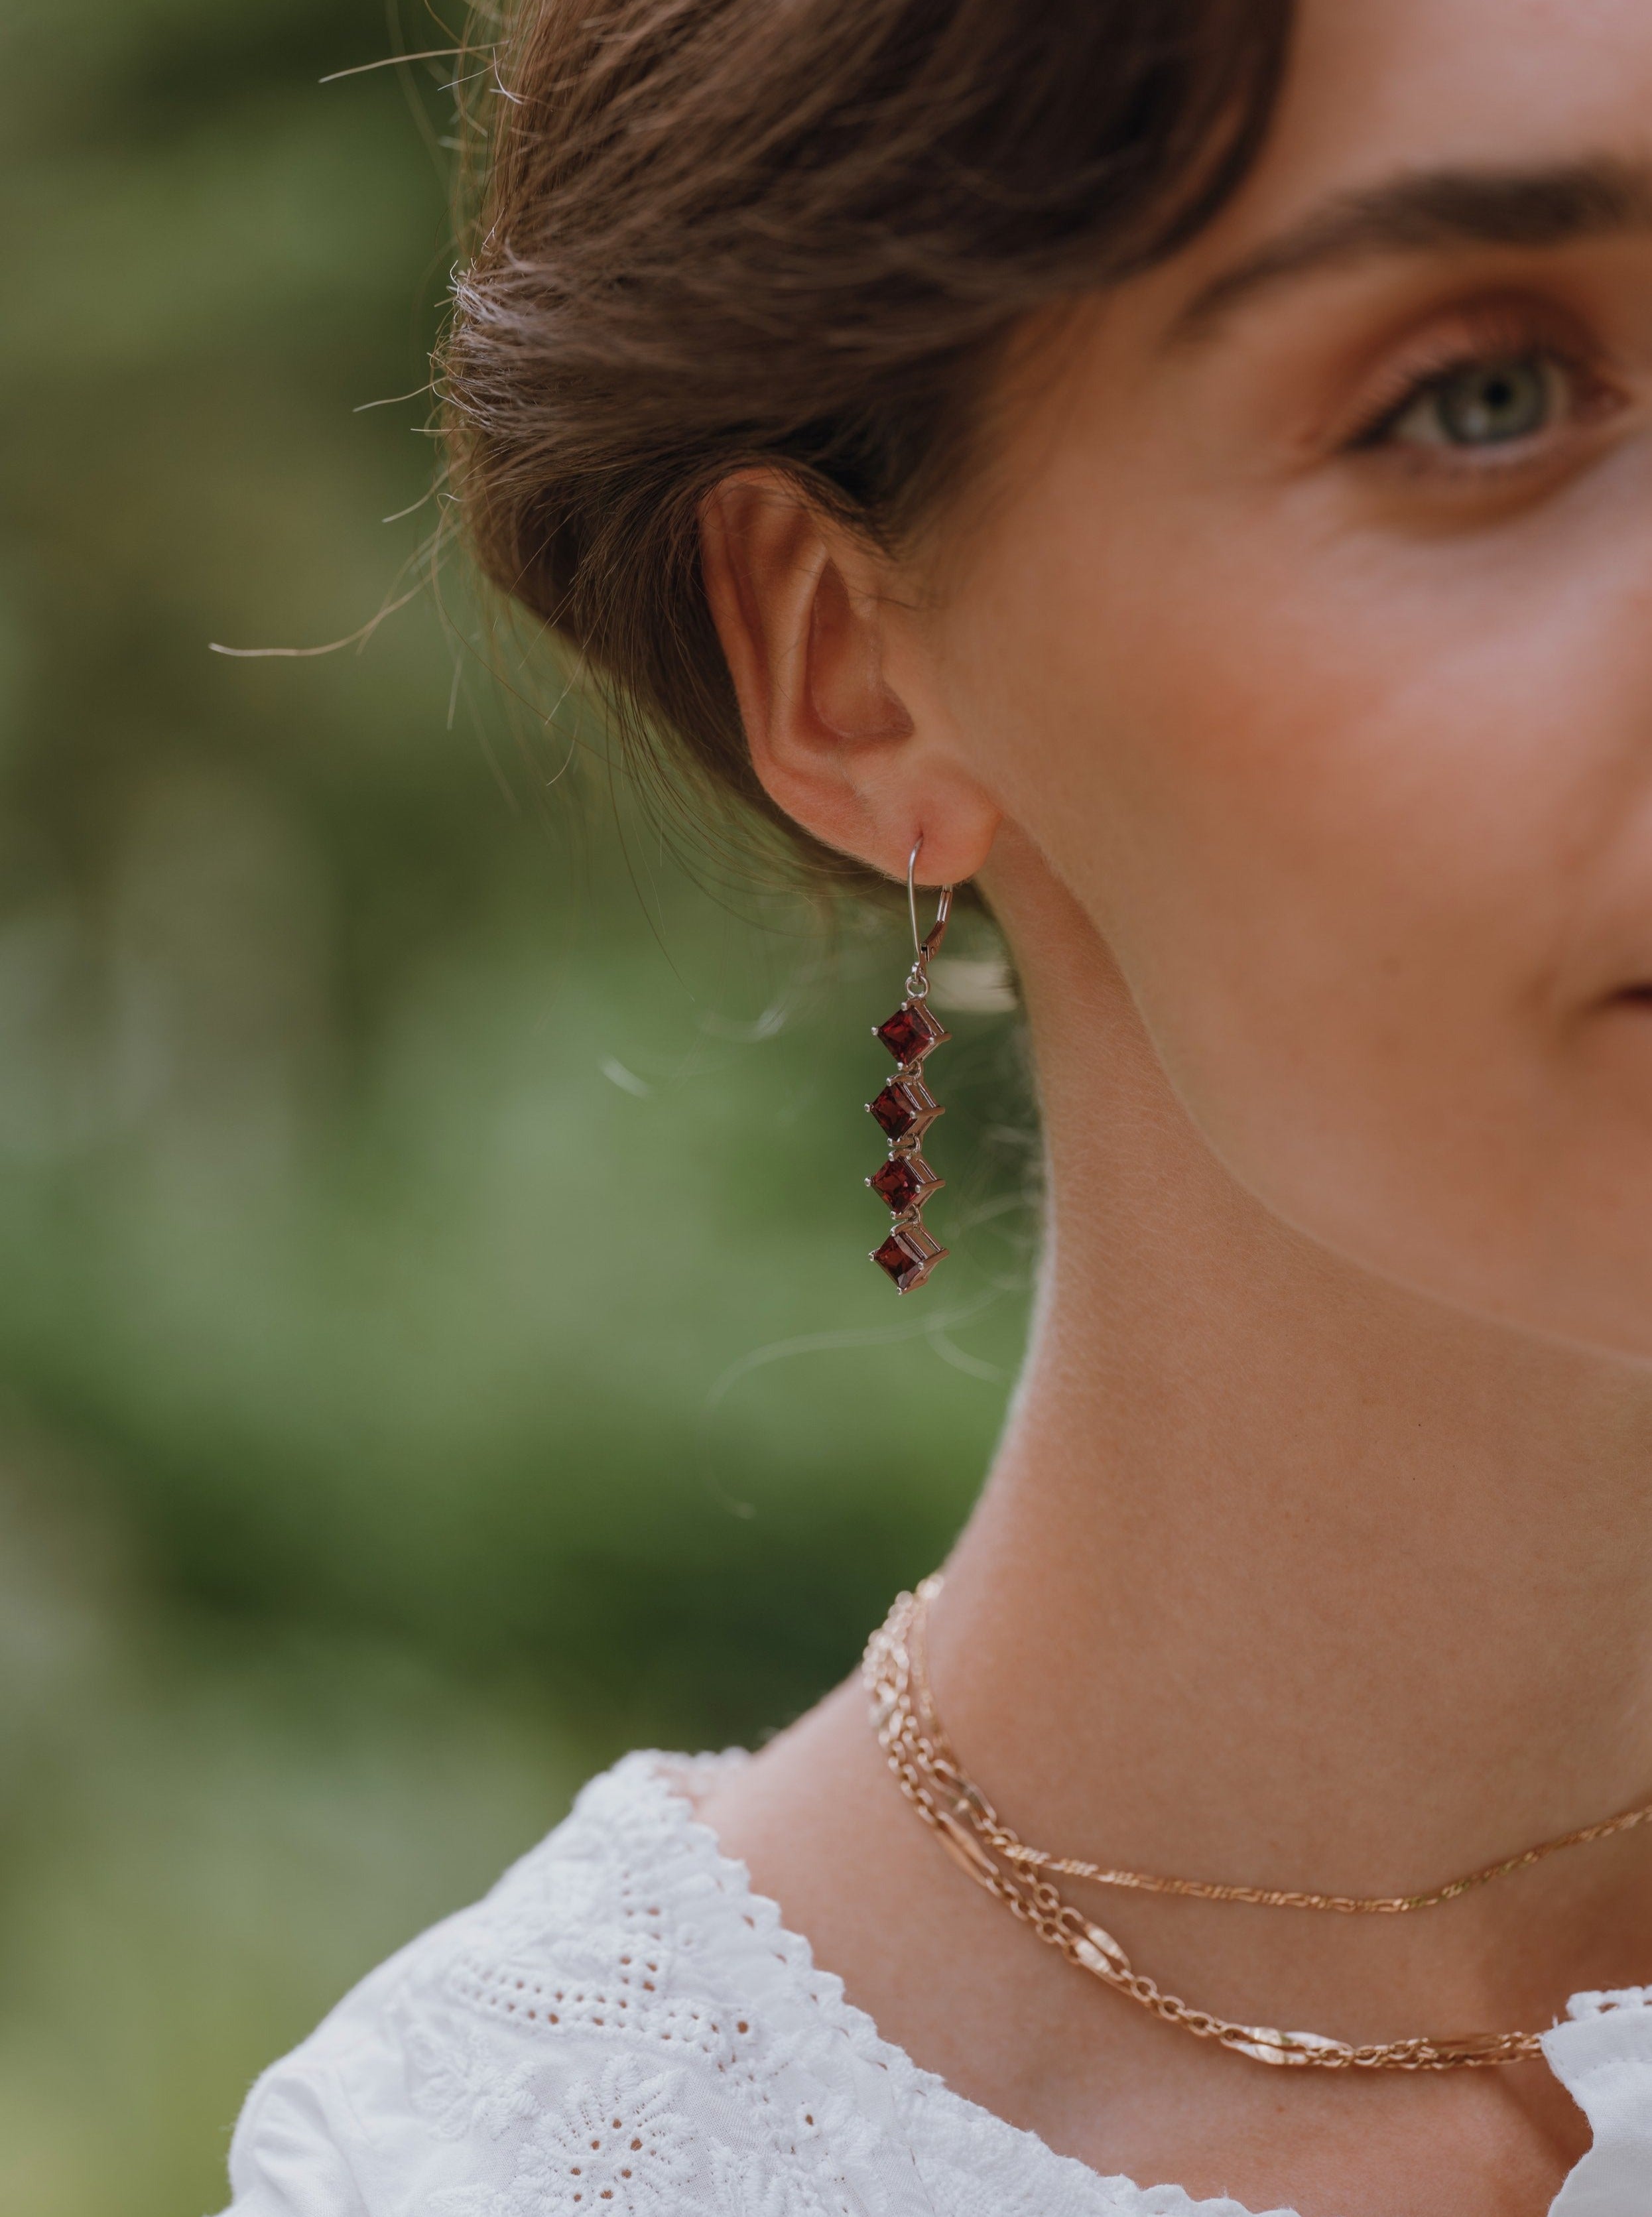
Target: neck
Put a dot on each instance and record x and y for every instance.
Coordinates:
(1318, 1583)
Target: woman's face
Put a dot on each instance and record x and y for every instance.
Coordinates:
(1308, 630)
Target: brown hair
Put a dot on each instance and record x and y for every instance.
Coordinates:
(715, 233)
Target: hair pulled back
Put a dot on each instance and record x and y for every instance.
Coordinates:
(718, 232)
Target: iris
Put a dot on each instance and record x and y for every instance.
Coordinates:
(1487, 404)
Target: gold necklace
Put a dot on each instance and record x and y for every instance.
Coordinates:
(954, 1807)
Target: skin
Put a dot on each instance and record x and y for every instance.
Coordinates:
(1304, 748)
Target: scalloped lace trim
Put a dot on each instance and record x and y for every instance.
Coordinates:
(945, 2130)
(624, 2028)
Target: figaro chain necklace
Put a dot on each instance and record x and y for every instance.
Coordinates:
(965, 1822)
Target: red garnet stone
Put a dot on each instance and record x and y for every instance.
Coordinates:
(908, 1254)
(905, 1105)
(910, 1033)
(904, 1180)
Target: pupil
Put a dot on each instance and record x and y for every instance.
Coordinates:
(1495, 402)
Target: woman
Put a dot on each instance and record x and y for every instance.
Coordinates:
(1186, 474)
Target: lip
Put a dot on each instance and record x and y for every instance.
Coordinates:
(1626, 1012)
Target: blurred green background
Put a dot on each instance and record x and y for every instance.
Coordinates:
(436, 1346)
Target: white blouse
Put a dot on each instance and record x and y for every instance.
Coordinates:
(623, 2028)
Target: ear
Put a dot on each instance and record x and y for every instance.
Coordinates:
(844, 732)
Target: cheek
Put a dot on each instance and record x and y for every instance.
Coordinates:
(1352, 816)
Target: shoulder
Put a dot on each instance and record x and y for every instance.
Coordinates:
(623, 2029)
(608, 2031)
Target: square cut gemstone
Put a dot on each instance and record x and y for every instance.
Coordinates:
(905, 1107)
(904, 1182)
(910, 1033)
(908, 1254)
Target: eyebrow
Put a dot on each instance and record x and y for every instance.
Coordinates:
(1432, 210)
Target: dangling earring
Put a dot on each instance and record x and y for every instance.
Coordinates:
(906, 1109)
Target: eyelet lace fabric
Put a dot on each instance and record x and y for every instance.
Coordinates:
(623, 2028)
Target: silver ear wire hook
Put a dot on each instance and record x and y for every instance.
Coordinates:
(923, 950)
(912, 897)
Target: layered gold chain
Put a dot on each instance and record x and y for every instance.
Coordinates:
(965, 1822)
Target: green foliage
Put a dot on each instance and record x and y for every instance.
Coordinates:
(436, 1346)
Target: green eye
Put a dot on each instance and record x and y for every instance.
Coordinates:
(1486, 403)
